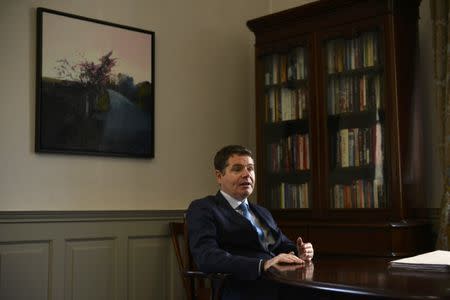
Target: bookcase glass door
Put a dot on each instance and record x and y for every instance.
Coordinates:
(286, 129)
(355, 120)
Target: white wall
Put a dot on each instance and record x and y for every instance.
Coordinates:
(204, 99)
(278, 5)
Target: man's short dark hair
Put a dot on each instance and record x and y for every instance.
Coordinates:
(222, 156)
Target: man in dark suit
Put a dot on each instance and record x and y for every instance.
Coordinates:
(228, 234)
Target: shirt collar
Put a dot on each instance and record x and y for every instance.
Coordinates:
(233, 202)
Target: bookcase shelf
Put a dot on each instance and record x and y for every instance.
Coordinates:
(333, 91)
(357, 119)
(296, 176)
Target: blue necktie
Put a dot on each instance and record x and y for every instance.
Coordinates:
(246, 214)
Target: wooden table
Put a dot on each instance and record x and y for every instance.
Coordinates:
(359, 278)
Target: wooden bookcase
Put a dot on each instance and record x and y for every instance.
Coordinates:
(333, 92)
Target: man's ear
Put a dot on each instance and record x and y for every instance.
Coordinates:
(218, 176)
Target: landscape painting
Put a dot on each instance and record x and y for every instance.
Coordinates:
(94, 87)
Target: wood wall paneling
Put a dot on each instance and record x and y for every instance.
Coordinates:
(24, 270)
(88, 255)
(90, 269)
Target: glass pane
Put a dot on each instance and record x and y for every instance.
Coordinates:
(354, 92)
(286, 131)
(289, 195)
(353, 54)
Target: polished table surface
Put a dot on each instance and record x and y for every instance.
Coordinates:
(360, 277)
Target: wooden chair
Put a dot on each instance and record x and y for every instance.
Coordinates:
(197, 285)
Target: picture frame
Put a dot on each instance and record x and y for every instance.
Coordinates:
(95, 87)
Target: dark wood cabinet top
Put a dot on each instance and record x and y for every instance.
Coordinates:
(363, 277)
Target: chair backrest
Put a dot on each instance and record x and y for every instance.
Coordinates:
(194, 286)
(197, 285)
(181, 247)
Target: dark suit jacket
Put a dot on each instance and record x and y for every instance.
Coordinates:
(222, 240)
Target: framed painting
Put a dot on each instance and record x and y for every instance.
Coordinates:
(95, 87)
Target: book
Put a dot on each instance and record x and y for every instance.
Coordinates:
(435, 261)
(344, 148)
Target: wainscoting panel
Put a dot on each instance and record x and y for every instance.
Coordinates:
(24, 264)
(90, 271)
(145, 260)
(88, 255)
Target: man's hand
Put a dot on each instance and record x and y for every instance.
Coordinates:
(283, 258)
(305, 250)
(289, 267)
(303, 271)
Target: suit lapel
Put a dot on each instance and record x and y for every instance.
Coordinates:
(263, 217)
(235, 217)
(229, 212)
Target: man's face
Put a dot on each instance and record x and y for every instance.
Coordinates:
(238, 178)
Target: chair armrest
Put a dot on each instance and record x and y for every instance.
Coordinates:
(212, 276)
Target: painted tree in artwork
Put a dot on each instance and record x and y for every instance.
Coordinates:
(94, 77)
(97, 74)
